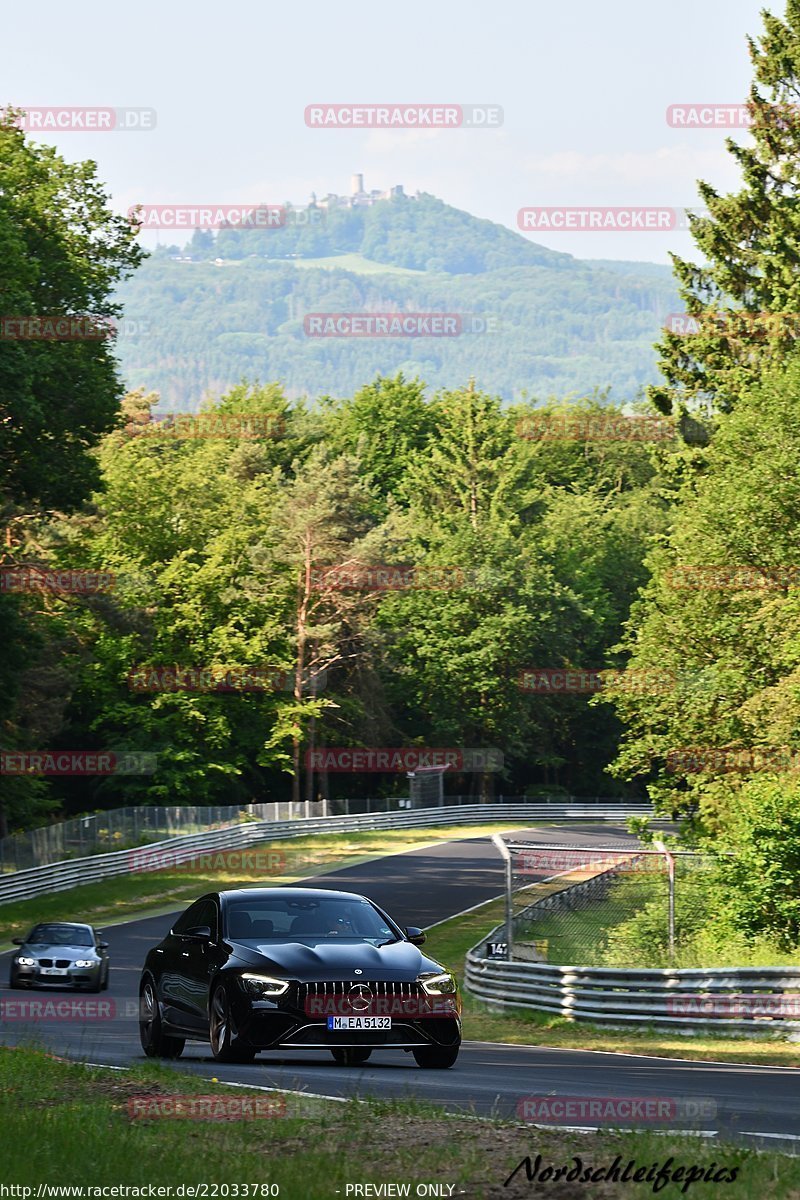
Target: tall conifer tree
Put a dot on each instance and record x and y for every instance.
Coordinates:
(746, 295)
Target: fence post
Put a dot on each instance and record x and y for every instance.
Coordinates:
(671, 876)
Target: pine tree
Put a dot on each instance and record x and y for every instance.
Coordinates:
(746, 296)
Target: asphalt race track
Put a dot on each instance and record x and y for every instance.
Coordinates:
(422, 887)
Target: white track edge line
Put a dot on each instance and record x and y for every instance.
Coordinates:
(791, 1137)
(257, 1087)
(784, 1137)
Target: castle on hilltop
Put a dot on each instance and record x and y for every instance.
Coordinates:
(359, 198)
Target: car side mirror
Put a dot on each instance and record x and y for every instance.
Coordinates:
(102, 945)
(414, 935)
(199, 931)
(18, 941)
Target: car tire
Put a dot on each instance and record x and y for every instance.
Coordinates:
(155, 1043)
(436, 1058)
(104, 984)
(226, 1045)
(350, 1056)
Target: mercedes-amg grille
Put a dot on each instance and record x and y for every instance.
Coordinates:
(380, 988)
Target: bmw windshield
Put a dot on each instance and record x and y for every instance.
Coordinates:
(60, 935)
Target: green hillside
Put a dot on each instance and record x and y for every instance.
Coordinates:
(424, 234)
(231, 305)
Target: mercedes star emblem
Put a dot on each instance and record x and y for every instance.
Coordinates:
(360, 997)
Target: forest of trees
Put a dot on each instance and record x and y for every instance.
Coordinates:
(209, 541)
(675, 559)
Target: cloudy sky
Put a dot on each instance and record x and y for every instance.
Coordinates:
(584, 88)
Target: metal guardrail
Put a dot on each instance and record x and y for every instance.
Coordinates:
(118, 828)
(57, 877)
(688, 997)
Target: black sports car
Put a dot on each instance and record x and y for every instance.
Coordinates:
(264, 968)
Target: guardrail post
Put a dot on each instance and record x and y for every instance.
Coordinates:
(506, 855)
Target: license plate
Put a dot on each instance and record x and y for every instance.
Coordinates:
(359, 1022)
(54, 970)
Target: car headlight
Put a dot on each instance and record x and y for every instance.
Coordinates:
(260, 986)
(85, 962)
(442, 984)
(25, 962)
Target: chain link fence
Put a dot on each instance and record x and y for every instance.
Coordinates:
(125, 828)
(605, 907)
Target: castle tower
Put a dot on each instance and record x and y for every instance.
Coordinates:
(356, 185)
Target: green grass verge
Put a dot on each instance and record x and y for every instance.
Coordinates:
(125, 897)
(69, 1125)
(449, 943)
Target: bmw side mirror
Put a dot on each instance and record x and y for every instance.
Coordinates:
(18, 941)
(199, 931)
(414, 935)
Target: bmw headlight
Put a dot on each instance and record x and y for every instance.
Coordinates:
(84, 962)
(261, 986)
(25, 962)
(441, 984)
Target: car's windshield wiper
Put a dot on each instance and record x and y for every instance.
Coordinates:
(390, 942)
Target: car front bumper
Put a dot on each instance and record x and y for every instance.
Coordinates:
(268, 1031)
(269, 1024)
(74, 977)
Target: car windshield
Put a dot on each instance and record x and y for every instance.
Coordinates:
(60, 935)
(285, 919)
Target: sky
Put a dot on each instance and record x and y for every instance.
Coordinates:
(584, 90)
